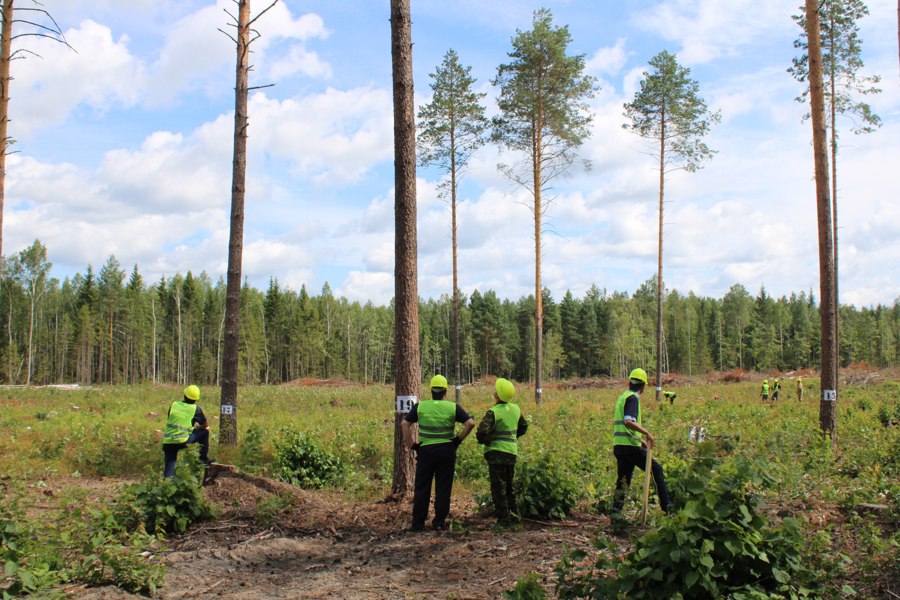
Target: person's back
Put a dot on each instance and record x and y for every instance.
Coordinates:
(185, 424)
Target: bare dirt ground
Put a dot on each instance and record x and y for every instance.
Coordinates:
(323, 548)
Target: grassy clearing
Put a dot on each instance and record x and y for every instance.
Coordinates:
(96, 432)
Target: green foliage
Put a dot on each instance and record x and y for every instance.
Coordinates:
(669, 108)
(300, 461)
(545, 489)
(164, 505)
(718, 545)
(82, 545)
(527, 588)
(252, 459)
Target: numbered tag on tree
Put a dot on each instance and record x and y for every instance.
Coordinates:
(228, 409)
(405, 404)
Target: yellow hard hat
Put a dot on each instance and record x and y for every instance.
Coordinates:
(765, 381)
(506, 391)
(439, 382)
(638, 375)
(192, 392)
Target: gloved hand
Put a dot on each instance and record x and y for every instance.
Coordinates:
(456, 441)
(415, 447)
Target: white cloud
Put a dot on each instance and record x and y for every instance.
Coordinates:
(100, 73)
(710, 29)
(609, 60)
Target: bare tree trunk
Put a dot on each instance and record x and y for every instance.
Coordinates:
(834, 199)
(406, 302)
(5, 79)
(228, 427)
(456, 357)
(538, 288)
(659, 272)
(827, 406)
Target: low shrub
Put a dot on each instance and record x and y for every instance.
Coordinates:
(545, 489)
(300, 461)
(527, 588)
(718, 545)
(164, 505)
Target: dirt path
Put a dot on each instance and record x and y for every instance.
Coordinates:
(324, 549)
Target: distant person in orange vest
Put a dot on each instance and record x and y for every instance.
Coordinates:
(799, 389)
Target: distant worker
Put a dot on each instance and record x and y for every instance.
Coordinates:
(799, 389)
(435, 452)
(629, 449)
(764, 393)
(670, 396)
(185, 425)
(776, 387)
(498, 432)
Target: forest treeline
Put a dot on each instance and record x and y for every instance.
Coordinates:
(115, 327)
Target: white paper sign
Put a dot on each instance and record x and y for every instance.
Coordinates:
(829, 395)
(405, 404)
(228, 409)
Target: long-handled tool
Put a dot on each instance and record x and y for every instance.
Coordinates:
(647, 469)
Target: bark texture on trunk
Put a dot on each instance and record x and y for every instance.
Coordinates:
(406, 295)
(828, 401)
(5, 57)
(228, 423)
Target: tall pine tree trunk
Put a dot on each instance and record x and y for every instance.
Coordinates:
(659, 268)
(538, 288)
(228, 427)
(456, 354)
(406, 300)
(5, 57)
(832, 85)
(829, 382)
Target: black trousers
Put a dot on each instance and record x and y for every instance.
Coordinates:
(170, 451)
(434, 462)
(627, 458)
(502, 492)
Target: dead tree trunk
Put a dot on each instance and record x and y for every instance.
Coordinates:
(228, 423)
(828, 401)
(406, 301)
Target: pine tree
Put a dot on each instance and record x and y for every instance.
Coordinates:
(544, 118)
(452, 127)
(669, 112)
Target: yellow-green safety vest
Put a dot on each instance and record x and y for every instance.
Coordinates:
(179, 426)
(506, 424)
(436, 421)
(622, 436)
(765, 389)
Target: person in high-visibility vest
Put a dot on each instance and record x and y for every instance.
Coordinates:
(629, 448)
(764, 392)
(435, 452)
(670, 396)
(776, 387)
(185, 425)
(498, 432)
(799, 389)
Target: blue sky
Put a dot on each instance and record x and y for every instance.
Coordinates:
(124, 148)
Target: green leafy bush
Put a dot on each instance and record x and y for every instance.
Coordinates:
(527, 588)
(300, 461)
(718, 545)
(164, 505)
(82, 545)
(544, 489)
